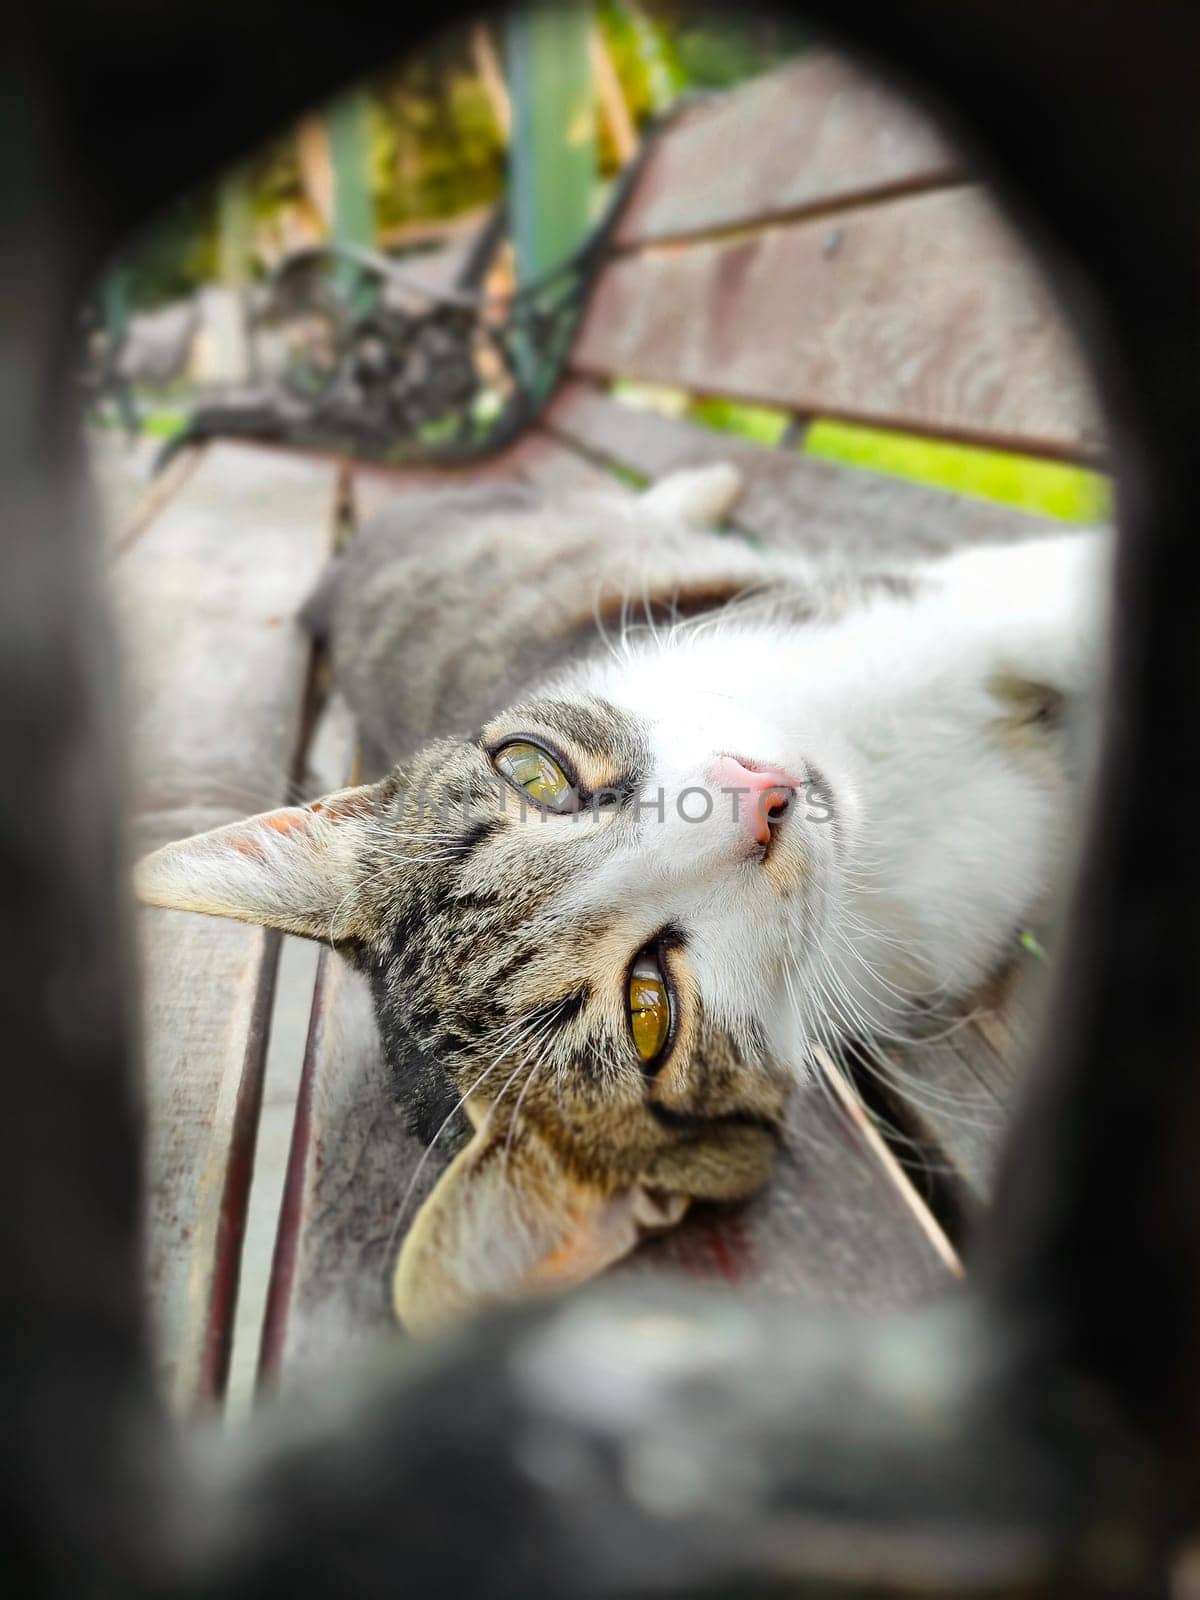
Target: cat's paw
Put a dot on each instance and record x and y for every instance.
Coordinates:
(698, 496)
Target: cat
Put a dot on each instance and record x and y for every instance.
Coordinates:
(669, 810)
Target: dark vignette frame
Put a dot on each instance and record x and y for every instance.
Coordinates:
(1036, 1436)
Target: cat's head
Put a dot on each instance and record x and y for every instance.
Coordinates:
(587, 927)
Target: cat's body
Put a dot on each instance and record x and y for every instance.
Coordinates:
(449, 605)
(767, 806)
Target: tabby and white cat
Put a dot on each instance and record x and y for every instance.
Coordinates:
(692, 807)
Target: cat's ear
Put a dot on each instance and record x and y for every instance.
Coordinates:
(294, 869)
(698, 496)
(504, 1223)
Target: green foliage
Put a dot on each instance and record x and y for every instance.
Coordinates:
(436, 146)
(164, 424)
(645, 59)
(715, 48)
(176, 253)
(762, 424)
(1052, 488)
(1030, 941)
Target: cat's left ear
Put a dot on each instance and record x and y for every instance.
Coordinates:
(503, 1223)
(295, 869)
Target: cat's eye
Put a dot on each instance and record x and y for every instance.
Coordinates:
(649, 1008)
(537, 775)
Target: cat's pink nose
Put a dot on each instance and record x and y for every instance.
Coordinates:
(759, 796)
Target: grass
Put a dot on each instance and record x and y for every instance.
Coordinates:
(1028, 483)
(760, 424)
(163, 422)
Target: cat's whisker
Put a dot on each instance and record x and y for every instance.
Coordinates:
(869, 999)
(917, 1091)
(598, 616)
(949, 1108)
(531, 1028)
(427, 1152)
(214, 792)
(391, 866)
(512, 1126)
(854, 1026)
(919, 1160)
(908, 998)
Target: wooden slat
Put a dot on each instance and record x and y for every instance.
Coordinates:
(833, 1226)
(534, 458)
(119, 472)
(351, 1162)
(791, 500)
(216, 673)
(812, 135)
(836, 1225)
(1013, 1007)
(921, 313)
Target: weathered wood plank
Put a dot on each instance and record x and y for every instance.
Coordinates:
(217, 671)
(836, 1225)
(534, 458)
(1012, 1008)
(119, 471)
(352, 1160)
(790, 500)
(811, 135)
(832, 1227)
(921, 313)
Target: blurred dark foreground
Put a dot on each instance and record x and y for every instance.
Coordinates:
(1039, 1437)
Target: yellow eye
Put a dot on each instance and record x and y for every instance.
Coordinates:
(649, 1008)
(539, 777)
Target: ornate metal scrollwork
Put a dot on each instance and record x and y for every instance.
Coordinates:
(378, 364)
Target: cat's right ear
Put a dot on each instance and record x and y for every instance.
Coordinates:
(296, 869)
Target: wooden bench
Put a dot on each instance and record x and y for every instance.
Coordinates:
(805, 243)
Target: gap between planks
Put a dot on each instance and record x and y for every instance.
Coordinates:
(823, 210)
(315, 767)
(161, 490)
